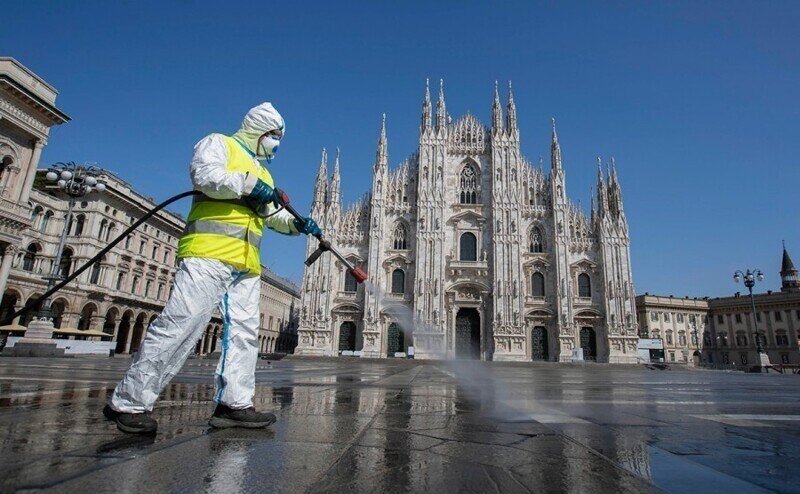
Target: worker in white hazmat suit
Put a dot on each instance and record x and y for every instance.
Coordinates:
(219, 267)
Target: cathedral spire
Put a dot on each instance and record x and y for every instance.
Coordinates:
(335, 188)
(790, 279)
(555, 150)
(511, 116)
(602, 207)
(382, 155)
(321, 185)
(426, 109)
(497, 111)
(441, 109)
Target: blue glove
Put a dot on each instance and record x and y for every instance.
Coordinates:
(308, 226)
(262, 193)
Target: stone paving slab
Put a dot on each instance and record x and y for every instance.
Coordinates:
(351, 425)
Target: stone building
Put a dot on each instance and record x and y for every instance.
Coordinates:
(481, 249)
(679, 322)
(27, 111)
(731, 335)
(118, 297)
(719, 331)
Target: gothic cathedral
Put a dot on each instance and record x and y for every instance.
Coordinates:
(475, 253)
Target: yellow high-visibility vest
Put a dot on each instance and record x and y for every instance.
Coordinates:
(227, 230)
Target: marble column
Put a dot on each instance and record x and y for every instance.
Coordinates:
(25, 191)
(5, 266)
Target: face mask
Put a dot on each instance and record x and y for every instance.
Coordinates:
(267, 147)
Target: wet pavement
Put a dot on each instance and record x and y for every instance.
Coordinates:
(390, 426)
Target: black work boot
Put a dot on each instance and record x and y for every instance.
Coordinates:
(132, 423)
(245, 417)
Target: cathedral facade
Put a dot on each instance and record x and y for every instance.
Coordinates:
(474, 253)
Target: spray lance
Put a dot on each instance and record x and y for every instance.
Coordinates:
(282, 201)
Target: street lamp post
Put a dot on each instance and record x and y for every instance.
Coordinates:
(76, 181)
(750, 278)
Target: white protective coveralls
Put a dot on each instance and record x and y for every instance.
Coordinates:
(201, 284)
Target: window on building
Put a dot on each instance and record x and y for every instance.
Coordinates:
(270, 323)
(399, 240)
(536, 243)
(706, 338)
(120, 280)
(679, 317)
(692, 319)
(160, 291)
(112, 227)
(666, 317)
(350, 283)
(682, 338)
(723, 339)
(669, 337)
(738, 318)
(80, 222)
(672, 356)
(30, 257)
(654, 316)
(797, 314)
(741, 339)
(778, 316)
(537, 285)
(135, 285)
(398, 281)
(166, 256)
(147, 288)
(103, 227)
(584, 285)
(781, 338)
(468, 192)
(95, 277)
(758, 317)
(720, 319)
(155, 253)
(141, 246)
(45, 221)
(468, 247)
(66, 263)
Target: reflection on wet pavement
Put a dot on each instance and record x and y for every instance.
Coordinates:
(352, 425)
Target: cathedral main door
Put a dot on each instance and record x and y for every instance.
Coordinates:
(347, 336)
(468, 334)
(539, 347)
(396, 340)
(588, 343)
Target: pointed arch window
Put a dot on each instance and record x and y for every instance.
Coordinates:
(537, 285)
(584, 286)
(398, 281)
(468, 185)
(350, 283)
(399, 238)
(536, 243)
(468, 247)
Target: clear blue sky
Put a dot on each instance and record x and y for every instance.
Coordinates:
(698, 102)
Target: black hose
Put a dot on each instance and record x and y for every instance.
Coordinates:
(32, 304)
